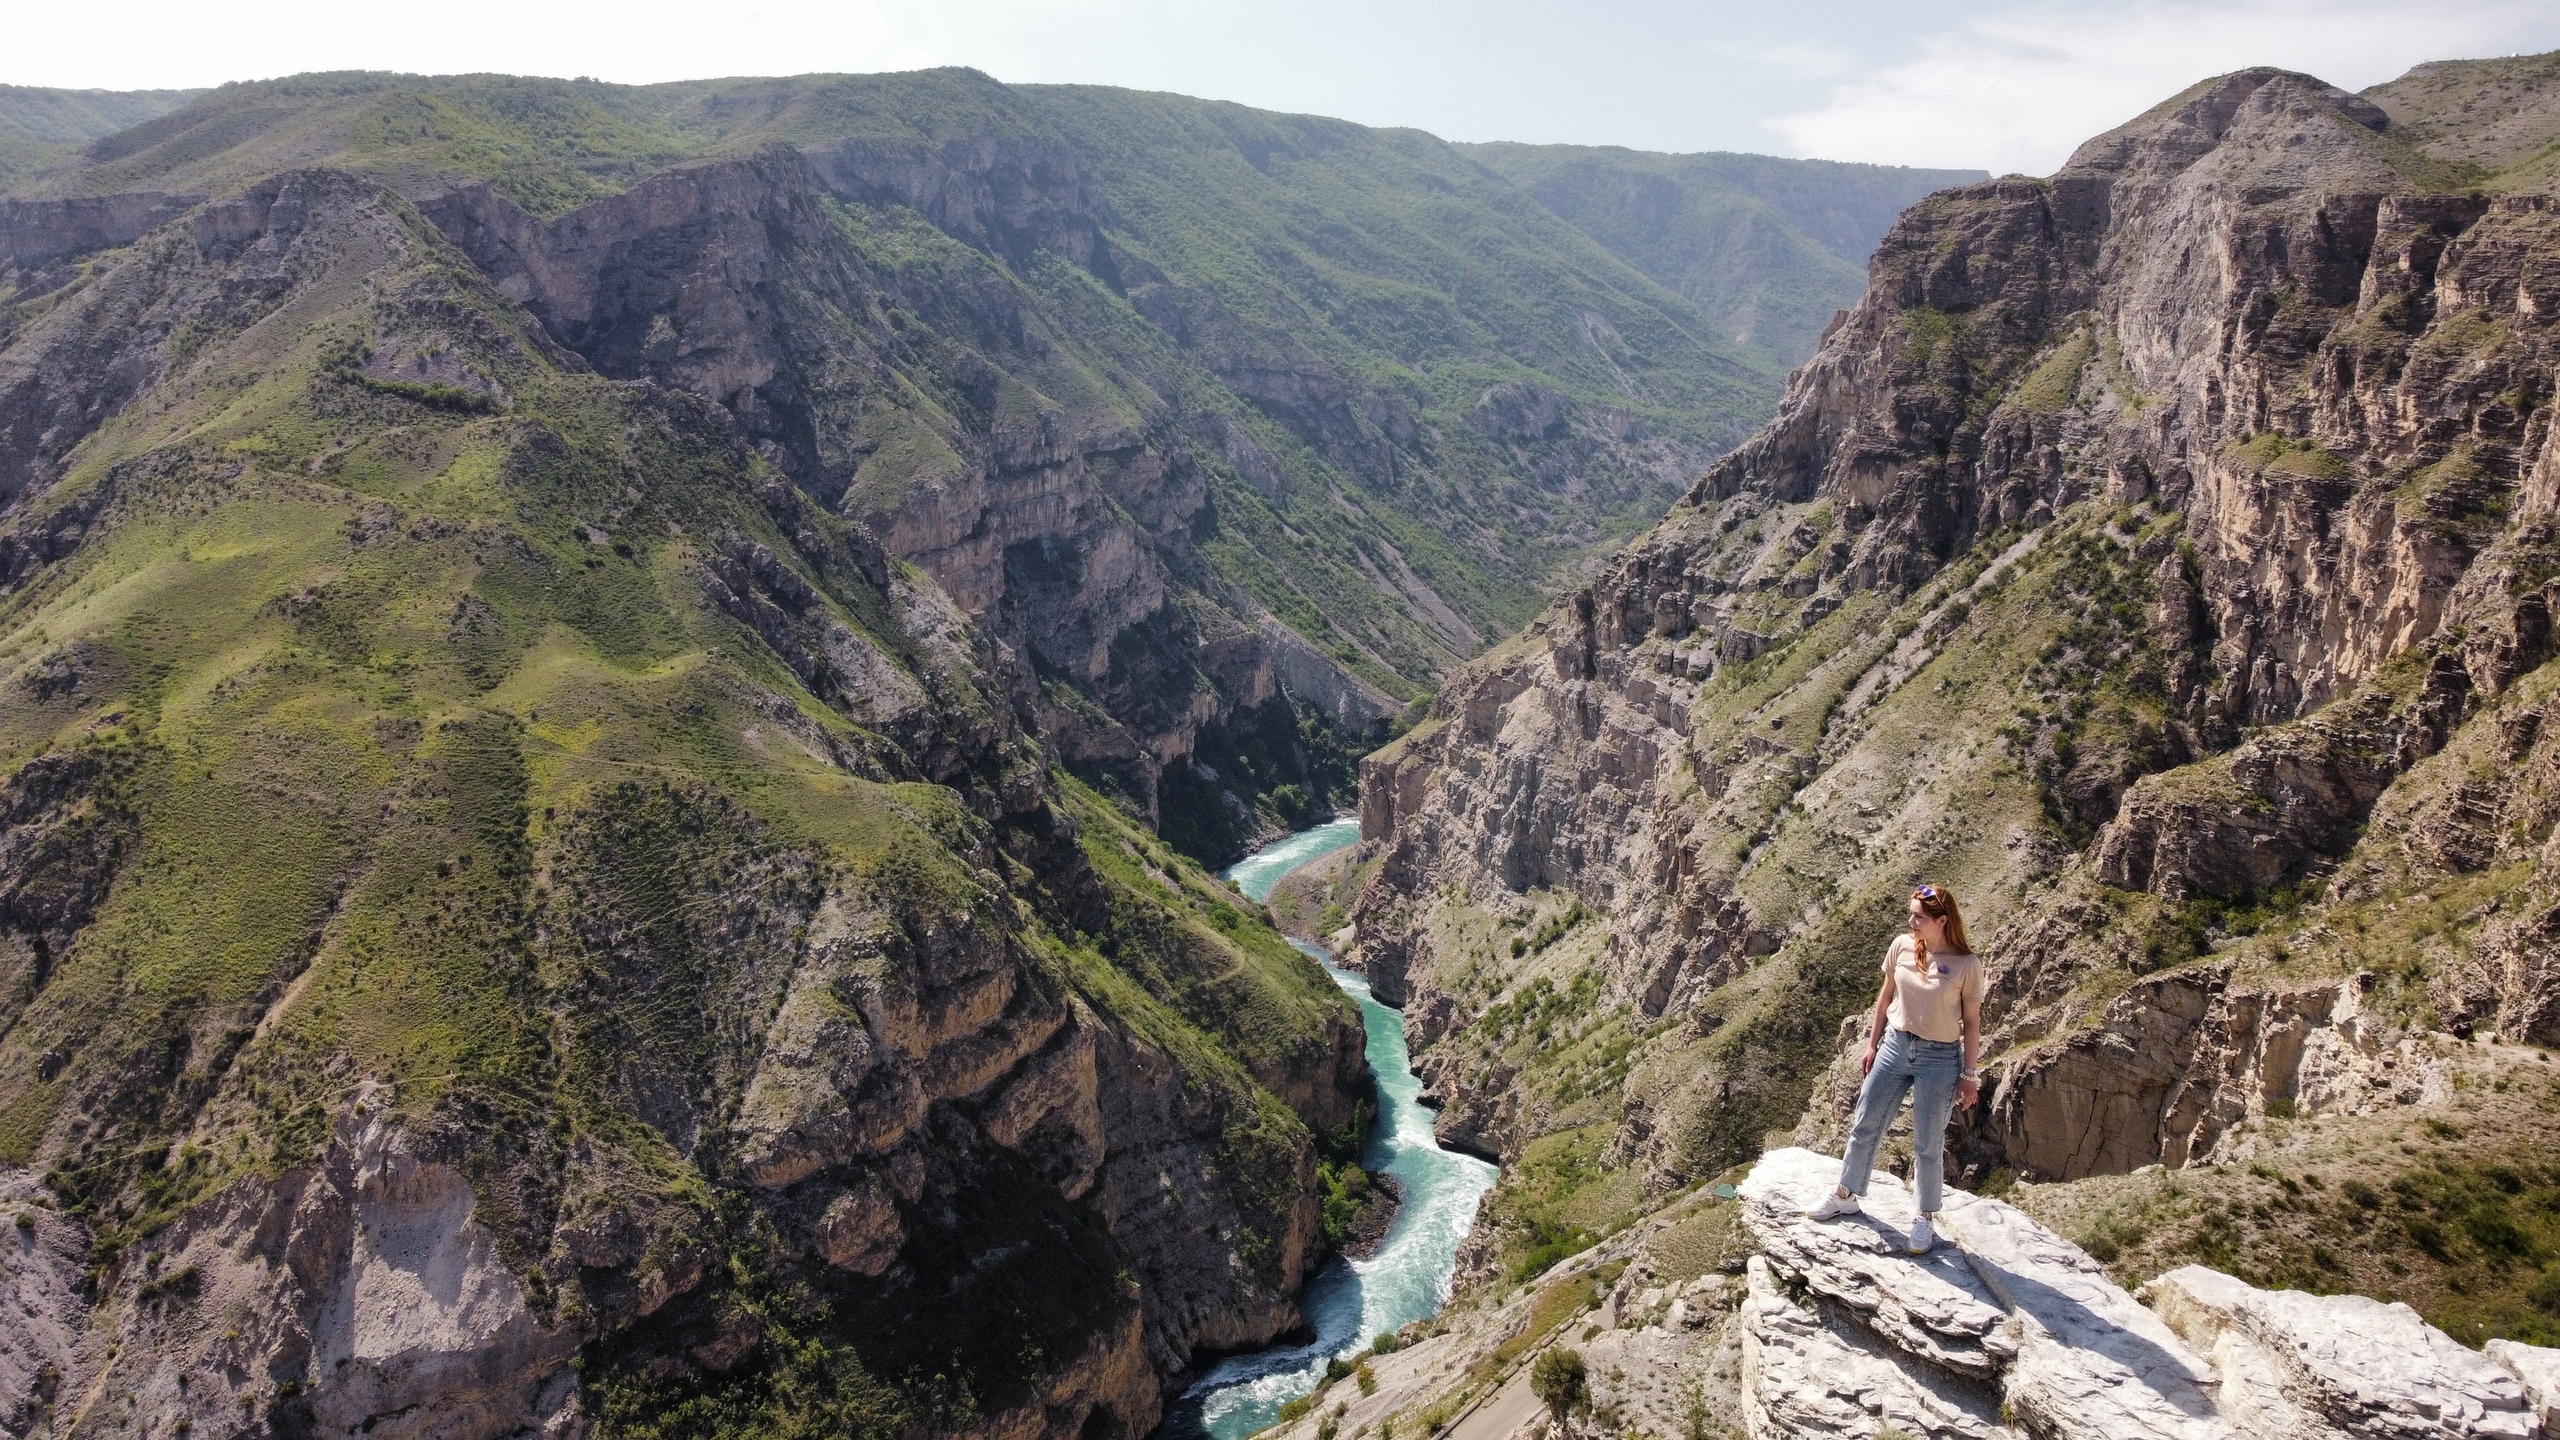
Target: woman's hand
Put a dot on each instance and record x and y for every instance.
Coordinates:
(1968, 1090)
(1867, 1059)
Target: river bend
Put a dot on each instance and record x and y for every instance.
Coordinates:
(1349, 1303)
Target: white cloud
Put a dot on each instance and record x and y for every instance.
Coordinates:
(2017, 90)
(1797, 60)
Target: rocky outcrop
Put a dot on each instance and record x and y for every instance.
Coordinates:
(1932, 1306)
(2178, 1067)
(2199, 1355)
(2263, 814)
(2537, 1369)
(70, 366)
(2358, 1365)
(36, 235)
(358, 1293)
(1801, 1377)
(1792, 1327)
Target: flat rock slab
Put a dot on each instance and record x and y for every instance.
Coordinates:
(1932, 1306)
(2092, 1362)
(1805, 1380)
(2373, 1371)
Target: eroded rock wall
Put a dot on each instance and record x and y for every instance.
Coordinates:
(2140, 535)
(784, 1001)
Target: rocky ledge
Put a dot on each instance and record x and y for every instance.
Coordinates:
(2011, 1329)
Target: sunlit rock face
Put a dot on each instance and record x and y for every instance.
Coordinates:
(2158, 555)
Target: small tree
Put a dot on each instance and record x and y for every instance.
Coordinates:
(1561, 1380)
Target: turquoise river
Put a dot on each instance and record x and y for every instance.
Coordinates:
(1349, 1302)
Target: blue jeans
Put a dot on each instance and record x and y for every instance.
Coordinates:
(1928, 1071)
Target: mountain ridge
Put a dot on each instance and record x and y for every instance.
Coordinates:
(2156, 557)
(41, 127)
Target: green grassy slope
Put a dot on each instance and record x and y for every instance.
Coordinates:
(2497, 117)
(41, 127)
(1391, 262)
(1766, 248)
(1392, 398)
(1383, 260)
(391, 750)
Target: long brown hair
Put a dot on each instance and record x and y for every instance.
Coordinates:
(1939, 903)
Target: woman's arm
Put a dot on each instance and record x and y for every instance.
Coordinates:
(1969, 1088)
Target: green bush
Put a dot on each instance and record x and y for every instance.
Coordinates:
(1550, 1241)
(1561, 1381)
(435, 397)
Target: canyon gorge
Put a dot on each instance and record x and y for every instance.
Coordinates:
(618, 705)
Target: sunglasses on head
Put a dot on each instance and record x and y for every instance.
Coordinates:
(1930, 897)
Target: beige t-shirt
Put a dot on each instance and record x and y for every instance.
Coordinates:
(1929, 1001)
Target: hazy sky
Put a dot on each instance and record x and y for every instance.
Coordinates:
(2000, 86)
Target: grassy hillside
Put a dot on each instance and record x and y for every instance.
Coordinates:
(1767, 249)
(2500, 119)
(1389, 263)
(40, 127)
(435, 759)
(1381, 263)
(1301, 373)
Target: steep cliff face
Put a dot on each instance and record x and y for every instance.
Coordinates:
(513, 915)
(2157, 556)
(1240, 429)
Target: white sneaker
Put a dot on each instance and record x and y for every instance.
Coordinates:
(1922, 1236)
(1833, 1206)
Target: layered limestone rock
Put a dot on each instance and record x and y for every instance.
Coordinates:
(2362, 1367)
(2179, 1064)
(2077, 1356)
(1931, 1306)
(1801, 1377)
(2154, 555)
(2537, 1369)
(1061, 530)
(636, 949)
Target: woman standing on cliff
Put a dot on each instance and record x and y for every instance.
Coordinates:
(1924, 1038)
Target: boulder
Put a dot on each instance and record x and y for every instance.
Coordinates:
(2371, 1370)
(2010, 1325)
